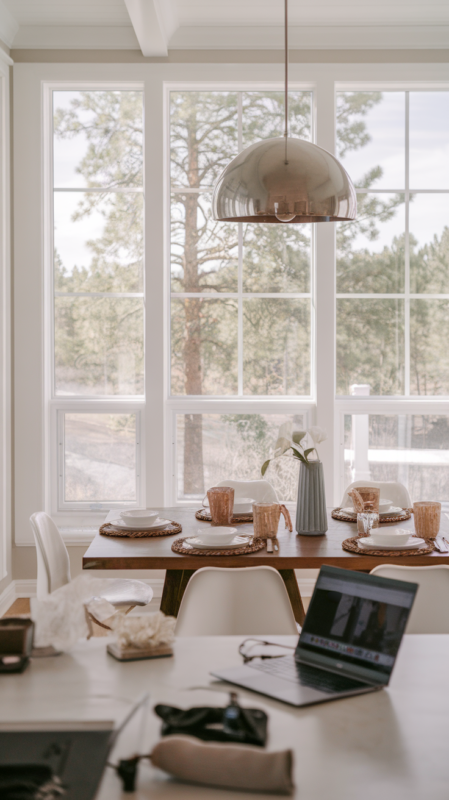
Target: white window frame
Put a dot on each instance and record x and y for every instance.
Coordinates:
(57, 406)
(32, 419)
(389, 404)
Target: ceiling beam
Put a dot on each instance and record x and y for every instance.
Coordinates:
(154, 22)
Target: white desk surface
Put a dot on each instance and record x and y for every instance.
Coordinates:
(390, 745)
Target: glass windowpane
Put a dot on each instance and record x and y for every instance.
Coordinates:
(98, 346)
(370, 345)
(214, 447)
(263, 115)
(429, 243)
(203, 136)
(370, 250)
(204, 346)
(371, 138)
(276, 258)
(429, 140)
(204, 253)
(99, 458)
(410, 448)
(102, 132)
(429, 353)
(276, 346)
(98, 242)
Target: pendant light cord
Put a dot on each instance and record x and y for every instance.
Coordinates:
(286, 77)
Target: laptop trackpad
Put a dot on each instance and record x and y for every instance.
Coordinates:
(287, 691)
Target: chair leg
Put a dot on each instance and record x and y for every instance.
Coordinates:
(291, 584)
(175, 584)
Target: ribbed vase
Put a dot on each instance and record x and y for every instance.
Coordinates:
(311, 515)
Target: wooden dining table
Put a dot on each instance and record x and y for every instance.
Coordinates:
(295, 552)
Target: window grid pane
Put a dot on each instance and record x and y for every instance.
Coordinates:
(234, 260)
(410, 265)
(98, 243)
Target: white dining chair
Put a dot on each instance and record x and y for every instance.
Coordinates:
(430, 611)
(228, 602)
(261, 490)
(389, 490)
(53, 568)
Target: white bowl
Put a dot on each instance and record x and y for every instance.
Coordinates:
(243, 505)
(398, 536)
(218, 535)
(144, 516)
(384, 505)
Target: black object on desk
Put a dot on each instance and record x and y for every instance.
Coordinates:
(16, 643)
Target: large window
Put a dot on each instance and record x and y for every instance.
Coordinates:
(393, 289)
(98, 290)
(242, 315)
(241, 295)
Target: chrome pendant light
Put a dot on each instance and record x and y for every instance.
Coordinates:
(284, 180)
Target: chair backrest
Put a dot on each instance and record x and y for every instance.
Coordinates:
(53, 563)
(261, 491)
(226, 602)
(430, 610)
(389, 490)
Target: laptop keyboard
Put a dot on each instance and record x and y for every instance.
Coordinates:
(290, 670)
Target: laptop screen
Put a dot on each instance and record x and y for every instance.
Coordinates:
(355, 623)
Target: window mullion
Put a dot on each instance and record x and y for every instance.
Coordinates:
(240, 265)
(407, 249)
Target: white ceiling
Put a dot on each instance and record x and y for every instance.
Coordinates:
(159, 25)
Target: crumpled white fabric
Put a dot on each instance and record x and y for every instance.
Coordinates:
(147, 630)
(60, 618)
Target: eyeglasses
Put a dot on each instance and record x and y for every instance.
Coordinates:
(246, 650)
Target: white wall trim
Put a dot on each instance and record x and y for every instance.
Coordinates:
(7, 598)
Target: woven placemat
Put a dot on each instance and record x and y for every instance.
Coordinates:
(352, 547)
(109, 530)
(204, 516)
(337, 513)
(252, 547)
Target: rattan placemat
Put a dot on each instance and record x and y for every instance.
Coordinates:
(109, 530)
(352, 547)
(204, 516)
(337, 513)
(252, 547)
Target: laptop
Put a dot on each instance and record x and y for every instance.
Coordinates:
(348, 644)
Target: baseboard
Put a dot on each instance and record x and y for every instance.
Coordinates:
(7, 598)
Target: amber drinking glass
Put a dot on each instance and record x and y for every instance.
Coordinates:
(427, 516)
(221, 504)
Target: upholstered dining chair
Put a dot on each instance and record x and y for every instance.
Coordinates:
(389, 490)
(53, 568)
(226, 602)
(430, 611)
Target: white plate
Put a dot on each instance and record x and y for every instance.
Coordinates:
(393, 512)
(238, 541)
(156, 526)
(368, 544)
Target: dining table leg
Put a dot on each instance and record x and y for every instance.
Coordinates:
(291, 584)
(175, 584)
